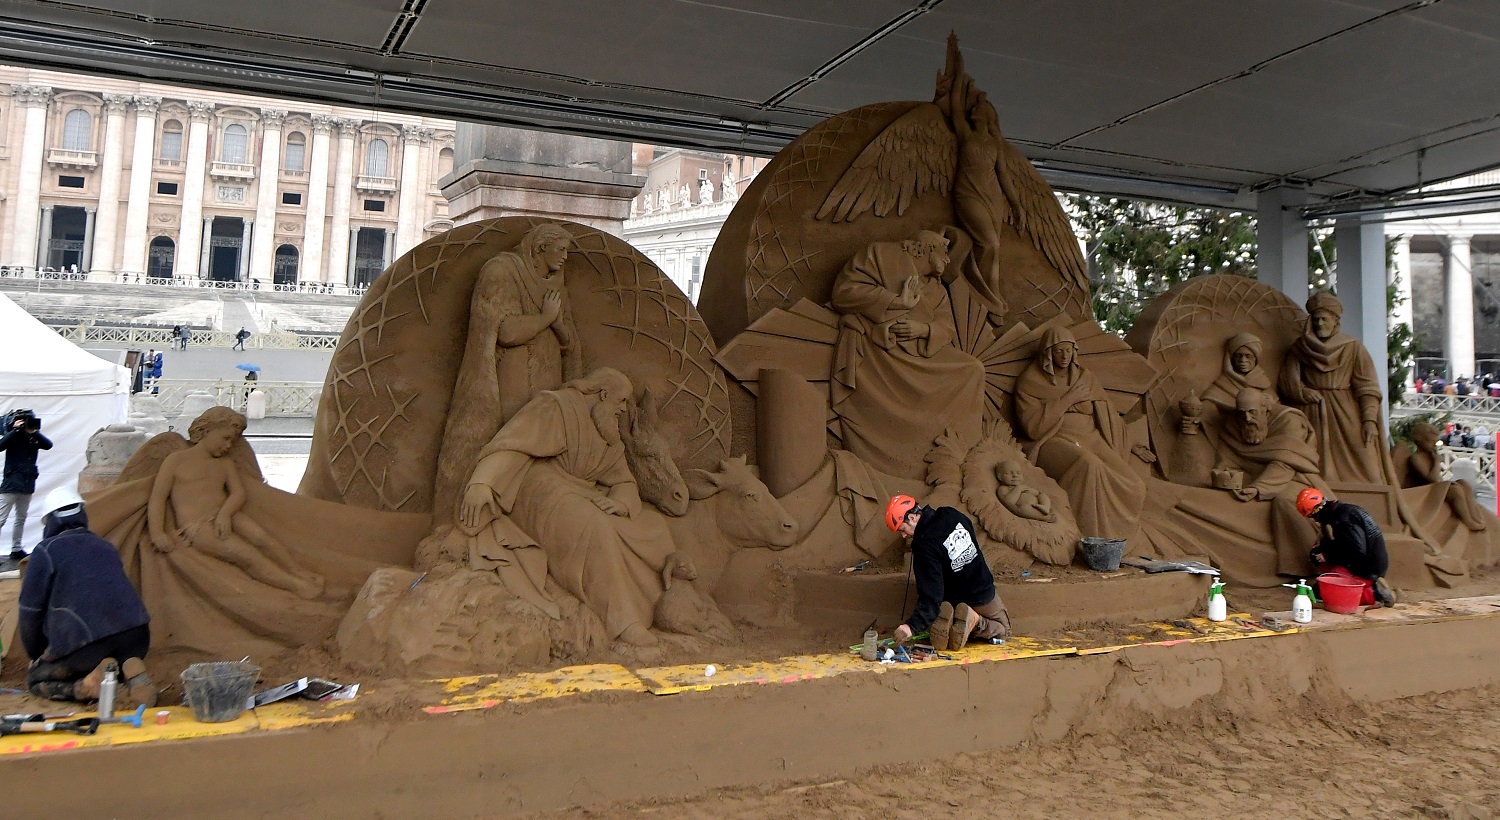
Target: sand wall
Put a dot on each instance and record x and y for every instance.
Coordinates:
(538, 757)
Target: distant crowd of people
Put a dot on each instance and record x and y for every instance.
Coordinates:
(1434, 384)
(1468, 436)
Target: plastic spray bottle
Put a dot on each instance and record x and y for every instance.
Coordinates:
(1302, 603)
(1218, 608)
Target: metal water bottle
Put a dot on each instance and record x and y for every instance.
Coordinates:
(107, 689)
(1218, 608)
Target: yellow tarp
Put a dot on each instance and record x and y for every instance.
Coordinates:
(1200, 630)
(488, 691)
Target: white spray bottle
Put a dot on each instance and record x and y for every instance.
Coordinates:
(1218, 608)
(1302, 603)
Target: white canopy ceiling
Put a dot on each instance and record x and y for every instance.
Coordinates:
(1204, 101)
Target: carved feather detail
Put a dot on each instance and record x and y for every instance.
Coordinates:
(913, 155)
(1036, 215)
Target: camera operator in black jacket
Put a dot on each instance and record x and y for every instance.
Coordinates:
(20, 441)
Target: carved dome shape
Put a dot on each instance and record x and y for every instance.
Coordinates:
(883, 172)
(380, 421)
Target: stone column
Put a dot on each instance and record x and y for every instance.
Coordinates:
(90, 225)
(262, 249)
(205, 245)
(138, 206)
(408, 221)
(350, 250)
(389, 255)
(190, 256)
(1458, 308)
(44, 242)
(1361, 269)
(247, 235)
(101, 250)
(340, 255)
(1281, 234)
(1403, 315)
(317, 202)
(35, 99)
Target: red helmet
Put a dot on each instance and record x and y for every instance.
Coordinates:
(896, 510)
(1309, 501)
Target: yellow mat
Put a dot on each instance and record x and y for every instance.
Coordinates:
(488, 691)
(669, 680)
(1198, 630)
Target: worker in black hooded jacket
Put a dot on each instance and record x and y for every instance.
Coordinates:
(1348, 538)
(956, 597)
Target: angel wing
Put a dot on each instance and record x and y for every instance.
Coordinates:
(1035, 214)
(913, 155)
(147, 460)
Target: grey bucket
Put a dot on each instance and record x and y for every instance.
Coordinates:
(218, 691)
(1102, 554)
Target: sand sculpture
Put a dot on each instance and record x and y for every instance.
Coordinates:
(534, 448)
(1418, 464)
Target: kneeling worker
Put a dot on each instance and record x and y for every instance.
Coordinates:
(1348, 538)
(956, 598)
(79, 614)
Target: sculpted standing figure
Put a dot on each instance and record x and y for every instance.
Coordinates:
(521, 341)
(1078, 439)
(898, 380)
(1330, 375)
(557, 470)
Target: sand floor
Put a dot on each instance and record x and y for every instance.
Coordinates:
(1426, 757)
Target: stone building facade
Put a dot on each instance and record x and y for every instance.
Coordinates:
(686, 199)
(122, 181)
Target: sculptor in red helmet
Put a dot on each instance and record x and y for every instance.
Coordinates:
(1350, 539)
(956, 597)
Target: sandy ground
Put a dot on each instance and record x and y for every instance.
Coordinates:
(1428, 757)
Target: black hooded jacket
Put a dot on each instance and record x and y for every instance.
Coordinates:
(948, 565)
(20, 448)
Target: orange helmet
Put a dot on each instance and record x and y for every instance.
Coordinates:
(896, 510)
(1309, 501)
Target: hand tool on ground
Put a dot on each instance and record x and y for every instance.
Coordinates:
(81, 726)
(132, 719)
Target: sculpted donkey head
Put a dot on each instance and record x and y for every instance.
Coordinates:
(741, 506)
(649, 455)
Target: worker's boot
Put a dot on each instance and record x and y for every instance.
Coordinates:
(965, 621)
(938, 631)
(1383, 592)
(87, 687)
(140, 689)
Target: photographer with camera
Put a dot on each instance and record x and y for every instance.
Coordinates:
(21, 441)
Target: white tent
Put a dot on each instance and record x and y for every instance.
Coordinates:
(73, 391)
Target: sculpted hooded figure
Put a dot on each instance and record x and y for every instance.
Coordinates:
(521, 341)
(1079, 439)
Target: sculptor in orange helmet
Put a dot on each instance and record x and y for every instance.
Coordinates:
(1309, 501)
(896, 510)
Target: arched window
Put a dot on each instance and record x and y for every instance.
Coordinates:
(171, 141)
(285, 270)
(377, 158)
(236, 145)
(445, 162)
(296, 152)
(162, 258)
(78, 131)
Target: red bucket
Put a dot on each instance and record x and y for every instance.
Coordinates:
(1341, 593)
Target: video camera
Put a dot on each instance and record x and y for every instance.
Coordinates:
(29, 421)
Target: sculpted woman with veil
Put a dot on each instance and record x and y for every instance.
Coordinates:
(1078, 439)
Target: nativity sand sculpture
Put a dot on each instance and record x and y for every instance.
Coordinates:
(538, 450)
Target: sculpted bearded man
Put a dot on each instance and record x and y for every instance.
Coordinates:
(521, 341)
(898, 380)
(1329, 375)
(1268, 452)
(557, 470)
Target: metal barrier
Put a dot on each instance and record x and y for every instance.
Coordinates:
(1486, 459)
(120, 278)
(129, 337)
(283, 399)
(1470, 405)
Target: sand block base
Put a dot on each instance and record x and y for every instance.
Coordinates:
(851, 601)
(555, 753)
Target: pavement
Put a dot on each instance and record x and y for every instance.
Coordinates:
(219, 363)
